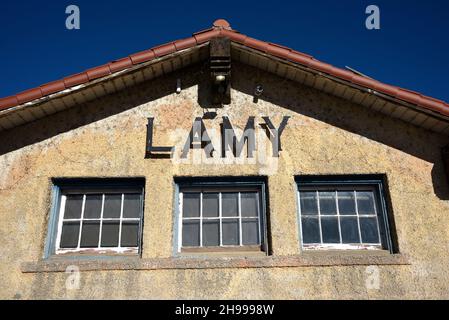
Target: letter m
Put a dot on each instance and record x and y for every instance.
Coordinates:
(229, 139)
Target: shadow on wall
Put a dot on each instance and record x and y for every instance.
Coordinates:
(282, 92)
(348, 116)
(90, 112)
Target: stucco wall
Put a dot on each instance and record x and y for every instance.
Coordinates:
(325, 135)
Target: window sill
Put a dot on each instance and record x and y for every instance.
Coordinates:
(229, 251)
(134, 263)
(97, 252)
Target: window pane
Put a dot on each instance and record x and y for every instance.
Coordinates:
(346, 203)
(112, 205)
(191, 205)
(229, 202)
(210, 204)
(191, 233)
(329, 228)
(249, 204)
(92, 208)
(327, 203)
(131, 205)
(309, 205)
(130, 234)
(70, 234)
(365, 202)
(349, 230)
(230, 232)
(211, 233)
(109, 233)
(73, 206)
(250, 232)
(90, 234)
(368, 228)
(310, 230)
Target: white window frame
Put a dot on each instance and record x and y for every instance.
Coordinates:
(220, 190)
(98, 249)
(336, 187)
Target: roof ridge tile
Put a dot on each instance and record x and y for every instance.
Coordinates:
(142, 56)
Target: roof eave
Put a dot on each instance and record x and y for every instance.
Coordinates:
(428, 105)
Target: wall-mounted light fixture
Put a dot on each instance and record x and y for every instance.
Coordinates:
(219, 78)
(220, 70)
(258, 90)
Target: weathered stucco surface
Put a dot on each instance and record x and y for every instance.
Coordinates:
(325, 135)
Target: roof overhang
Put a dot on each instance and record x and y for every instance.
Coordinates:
(38, 108)
(366, 97)
(396, 102)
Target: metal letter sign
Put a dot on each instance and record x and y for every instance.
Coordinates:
(150, 149)
(199, 138)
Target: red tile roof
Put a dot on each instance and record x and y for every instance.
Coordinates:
(222, 28)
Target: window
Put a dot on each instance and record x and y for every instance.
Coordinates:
(343, 214)
(99, 216)
(221, 216)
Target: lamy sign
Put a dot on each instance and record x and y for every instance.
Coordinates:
(231, 142)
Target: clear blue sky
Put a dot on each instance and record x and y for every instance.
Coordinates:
(411, 50)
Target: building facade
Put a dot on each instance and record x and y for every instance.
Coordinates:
(223, 167)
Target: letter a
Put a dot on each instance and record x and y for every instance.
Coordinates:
(72, 21)
(373, 20)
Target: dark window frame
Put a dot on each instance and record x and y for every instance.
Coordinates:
(376, 183)
(211, 184)
(67, 186)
